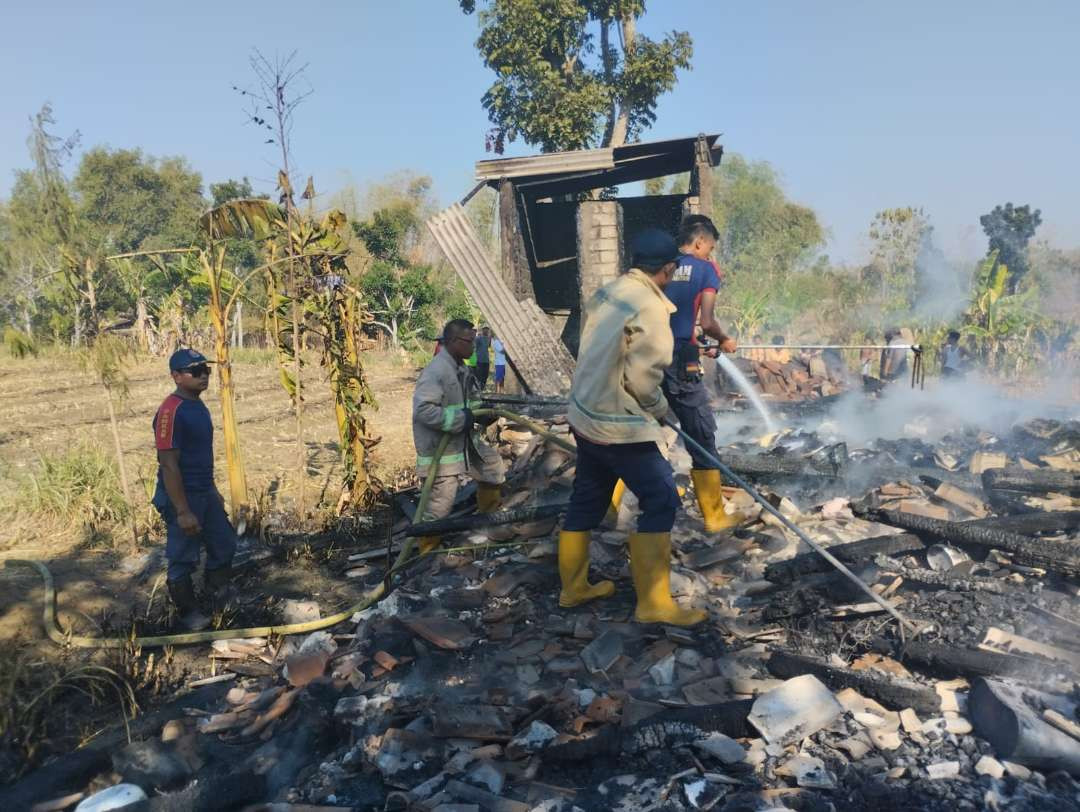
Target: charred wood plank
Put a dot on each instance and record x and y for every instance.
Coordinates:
(895, 694)
(784, 572)
(1039, 481)
(765, 466)
(1053, 556)
(944, 580)
(529, 513)
(953, 661)
(1038, 521)
(663, 730)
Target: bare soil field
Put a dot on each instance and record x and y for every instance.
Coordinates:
(50, 404)
(109, 585)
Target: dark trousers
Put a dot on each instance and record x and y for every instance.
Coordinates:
(640, 466)
(481, 374)
(690, 403)
(182, 550)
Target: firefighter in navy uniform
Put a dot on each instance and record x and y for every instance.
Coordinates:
(692, 290)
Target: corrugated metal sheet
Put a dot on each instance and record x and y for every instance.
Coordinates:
(532, 343)
(587, 160)
(582, 160)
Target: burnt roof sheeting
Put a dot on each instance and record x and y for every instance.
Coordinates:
(566, 172)
(533, 345)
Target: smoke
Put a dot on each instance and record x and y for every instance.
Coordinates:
(943, 286)
(944, 407)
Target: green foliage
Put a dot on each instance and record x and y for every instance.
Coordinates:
(1009, 230)
(79, 484)
(555, 88)
(19, 344)
(386, 233)
(108, 358)
(898, 238)
(761, 231)
(131, 202)
(401, 299)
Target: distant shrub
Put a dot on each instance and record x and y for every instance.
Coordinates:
(80, 483)
(18, 343)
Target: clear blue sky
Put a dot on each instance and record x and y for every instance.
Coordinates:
(955, 106)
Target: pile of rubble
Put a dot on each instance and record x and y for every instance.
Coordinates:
(468, 688)
(784, 376)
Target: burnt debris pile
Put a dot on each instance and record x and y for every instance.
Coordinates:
(468, 688)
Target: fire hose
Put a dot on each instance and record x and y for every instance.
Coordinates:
(57, 635)
(784, 520)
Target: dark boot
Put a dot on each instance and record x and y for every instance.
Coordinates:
(219, 587)
(189, 617)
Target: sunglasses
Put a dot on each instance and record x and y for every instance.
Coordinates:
(197, 370)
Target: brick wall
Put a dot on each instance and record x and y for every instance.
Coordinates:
(599, 229)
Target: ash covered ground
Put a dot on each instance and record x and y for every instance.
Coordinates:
(469, 688)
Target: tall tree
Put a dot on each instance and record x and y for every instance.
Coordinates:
(133, 202)
(898, 238)
(555, 89)
(1010, 229)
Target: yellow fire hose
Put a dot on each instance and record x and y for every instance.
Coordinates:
(375, 594)
(57, 635)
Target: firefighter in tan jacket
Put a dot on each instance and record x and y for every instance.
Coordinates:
(445, 394)
(616, 404)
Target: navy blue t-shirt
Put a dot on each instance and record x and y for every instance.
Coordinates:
(184, 424)
(692, 278)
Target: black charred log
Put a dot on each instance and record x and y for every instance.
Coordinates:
(1030, 524)
(531, 513)
(785, 572)
(1053, 556)
(767, 466)
(892, 693)
(661, 730)
(953, 661)
(1037, 481)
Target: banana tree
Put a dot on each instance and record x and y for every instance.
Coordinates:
(996, 317)
(315, 300)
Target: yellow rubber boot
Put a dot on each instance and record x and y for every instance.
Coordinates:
(711, 501)
(574, 571)
(488, 497)
(650, 567)
(616, 499)
(429, 543)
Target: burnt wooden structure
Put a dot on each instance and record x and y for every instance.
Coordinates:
(562, 236)
(565, 232)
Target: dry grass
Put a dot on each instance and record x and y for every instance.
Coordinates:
(48, 406)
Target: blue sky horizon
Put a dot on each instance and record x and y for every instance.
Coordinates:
(953, 107)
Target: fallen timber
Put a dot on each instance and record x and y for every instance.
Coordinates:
(477, 520)
(895, 694)
(1030, 524)
(942, 580)
(964, 662)
(1039, 481)
(1053, 556)
(662, 730)
(785, 572)
(766, 466)
(1001, 716)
